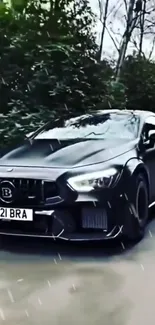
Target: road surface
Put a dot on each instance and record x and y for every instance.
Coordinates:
(44, 283)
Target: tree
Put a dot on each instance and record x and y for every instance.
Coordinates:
(48, 63)
(103, 20)
(138, 76)
(130, 25)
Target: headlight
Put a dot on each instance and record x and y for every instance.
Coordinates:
(96, 180)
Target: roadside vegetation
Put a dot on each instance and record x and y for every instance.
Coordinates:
(51, 64)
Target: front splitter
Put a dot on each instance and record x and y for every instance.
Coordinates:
(97, 236)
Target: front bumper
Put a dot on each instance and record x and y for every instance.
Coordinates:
(59, 212)
(84, 222)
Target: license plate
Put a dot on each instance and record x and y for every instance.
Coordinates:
(16, 214)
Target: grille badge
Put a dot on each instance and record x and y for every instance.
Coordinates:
(7, 191)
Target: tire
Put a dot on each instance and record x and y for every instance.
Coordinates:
(136, 209)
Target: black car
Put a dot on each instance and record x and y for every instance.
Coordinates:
(85, 178)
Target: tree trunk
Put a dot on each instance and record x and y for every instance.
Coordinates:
(103, 28)
(142, 22)
(131, 22)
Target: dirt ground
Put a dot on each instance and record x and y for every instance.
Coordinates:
(44, 283)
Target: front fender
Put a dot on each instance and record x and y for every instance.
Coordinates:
(134, 166)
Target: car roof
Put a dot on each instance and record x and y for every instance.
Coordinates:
(140, 113)
(92, 113)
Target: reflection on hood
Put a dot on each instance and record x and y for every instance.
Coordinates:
(66, 154)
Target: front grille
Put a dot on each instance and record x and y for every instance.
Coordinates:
(31, 191)
(50, 189)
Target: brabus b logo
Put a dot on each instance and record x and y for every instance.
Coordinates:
(6, 193)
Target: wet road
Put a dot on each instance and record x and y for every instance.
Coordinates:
(44, 283)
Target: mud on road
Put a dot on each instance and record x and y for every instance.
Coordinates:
(42, 282)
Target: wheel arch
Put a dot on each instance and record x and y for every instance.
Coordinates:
(135, 167)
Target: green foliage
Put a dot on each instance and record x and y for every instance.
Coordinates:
(117, 93)
(139, 77)
(19, 5)
(48, 63)
(49, 67)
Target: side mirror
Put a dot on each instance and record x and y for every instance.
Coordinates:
(151, 136)
(150, 142)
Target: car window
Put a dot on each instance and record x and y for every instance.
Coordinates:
(98, 126)
(150, 120)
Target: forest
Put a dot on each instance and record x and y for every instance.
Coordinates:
(53, 65)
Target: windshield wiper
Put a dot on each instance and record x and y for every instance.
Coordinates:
(96, 133)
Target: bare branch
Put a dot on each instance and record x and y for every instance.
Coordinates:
(116, 33)
(100, 4)
(116, 10)
(112, 38)
(133, 41)
(131, 23)
(152, 49)
(126, 6)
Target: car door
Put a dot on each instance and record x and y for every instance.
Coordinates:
(149, 152)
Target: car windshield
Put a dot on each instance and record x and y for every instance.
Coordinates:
(97, 126)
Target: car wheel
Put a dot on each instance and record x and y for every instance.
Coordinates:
(136, 209)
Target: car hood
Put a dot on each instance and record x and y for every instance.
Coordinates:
(64, 153)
